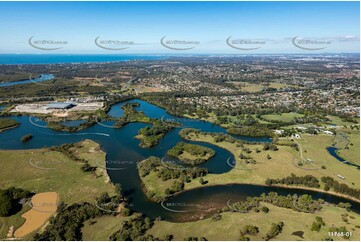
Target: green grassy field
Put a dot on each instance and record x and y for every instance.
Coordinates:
(155, 184)
(257, 87)
(339, 122)
(284, 117)
(314, 147)
(42, 170)
(7, 123)
(341, 139)
(102, 228)
(352, 153)
(228, 228)
(281, 163)
(191, 153)
(61, 174)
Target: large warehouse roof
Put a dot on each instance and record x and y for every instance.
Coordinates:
(60, 105)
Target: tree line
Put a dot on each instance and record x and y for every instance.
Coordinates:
(340, 187)
(308, 181)
(133, 229)
(67, 224)
(303, 203)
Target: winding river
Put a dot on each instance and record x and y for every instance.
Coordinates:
(333, 151)
(40, 78)
(123, 153)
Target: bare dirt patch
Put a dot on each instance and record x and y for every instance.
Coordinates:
(43, 207)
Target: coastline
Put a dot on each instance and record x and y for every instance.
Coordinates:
(110, 59)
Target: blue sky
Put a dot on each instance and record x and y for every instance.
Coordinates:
(206, 24)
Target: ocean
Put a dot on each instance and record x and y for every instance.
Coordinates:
(15, 59)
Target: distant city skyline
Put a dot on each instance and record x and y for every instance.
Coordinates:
(179, 27)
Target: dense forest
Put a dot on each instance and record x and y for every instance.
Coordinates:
(10, 200)
(311, 181)
(252, 131)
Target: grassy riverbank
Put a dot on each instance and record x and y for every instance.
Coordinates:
(228, 227)
(351, 152)
(8, 123)
(101, 228)
(254, 165)
(280, 165)
(44, 170)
